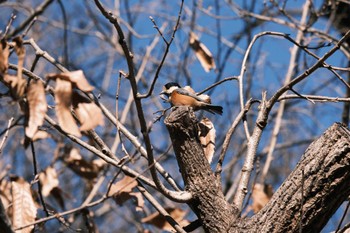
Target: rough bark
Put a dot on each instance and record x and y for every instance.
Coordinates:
(319, 183)
(214, 212)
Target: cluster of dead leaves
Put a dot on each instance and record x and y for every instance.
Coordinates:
(124, 190)
(33, 101)
(87, 112)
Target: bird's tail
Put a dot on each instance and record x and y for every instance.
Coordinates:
(213, 109)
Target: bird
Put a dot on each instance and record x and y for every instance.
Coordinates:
(186, 96)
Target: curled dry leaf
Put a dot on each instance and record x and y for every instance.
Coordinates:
(24, 209)
(21, 52)
(261, 195)
(63, 99)
(77, 78)
(4, 56)
(37, 107)
(207, 138)
(202, 53)
(80, 166)
(39, 134)
(88, 113)
(49, 183)
(18, 86)
(48, 180)
(122, 191)
(158, 220)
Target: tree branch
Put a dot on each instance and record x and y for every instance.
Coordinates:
(326, 168)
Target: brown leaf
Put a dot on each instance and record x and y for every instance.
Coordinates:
(80, 166)
(21, 52)
(207, 138)
(77, 78)
(49, 184)
(88, 113)
(158, 220)
(5, 195)
(63, 98)
(37, 107)
(202, 52)
(122, 191)
(261, 195)
(4, 55)
(18, 86)
(24, 209)
(40, 134)
(48, 180)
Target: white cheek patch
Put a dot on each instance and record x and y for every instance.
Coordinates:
(171, 89)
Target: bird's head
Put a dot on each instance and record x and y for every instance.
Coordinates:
(169, 88)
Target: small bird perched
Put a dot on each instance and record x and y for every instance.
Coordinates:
(187, 97)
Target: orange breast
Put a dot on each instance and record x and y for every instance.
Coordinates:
(183, 100)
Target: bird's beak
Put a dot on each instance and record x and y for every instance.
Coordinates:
(162, 93)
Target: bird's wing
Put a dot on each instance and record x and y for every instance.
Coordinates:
(185, 92)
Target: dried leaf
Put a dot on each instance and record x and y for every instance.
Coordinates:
(37, 107)
(77, 78)
(207, 138)
(63, 98)
(48, 180)
(18, 86)
(5, 195)
(24, 209)
(49, 184)
(88, 113)
(4, 55)
(80, 166)
(202, 52)
(261, 195)
(158, 220)
(40, 134)
(21, 52)
(122, 191)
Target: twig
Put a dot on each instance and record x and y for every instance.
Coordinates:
(261, 121)
(289, 75)
(160, 209)
(13, 16)
(38, 11)
(133, 139)
(251, 152)
(302, 96)
(168, 44)
(228, 136)
(218, 83)
(343, 217)
(104, 157)
(36, 176)
(6, 134)
(182, 196)
(163, 111)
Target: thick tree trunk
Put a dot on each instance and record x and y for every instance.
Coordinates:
(214, 212)
(319, 183)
